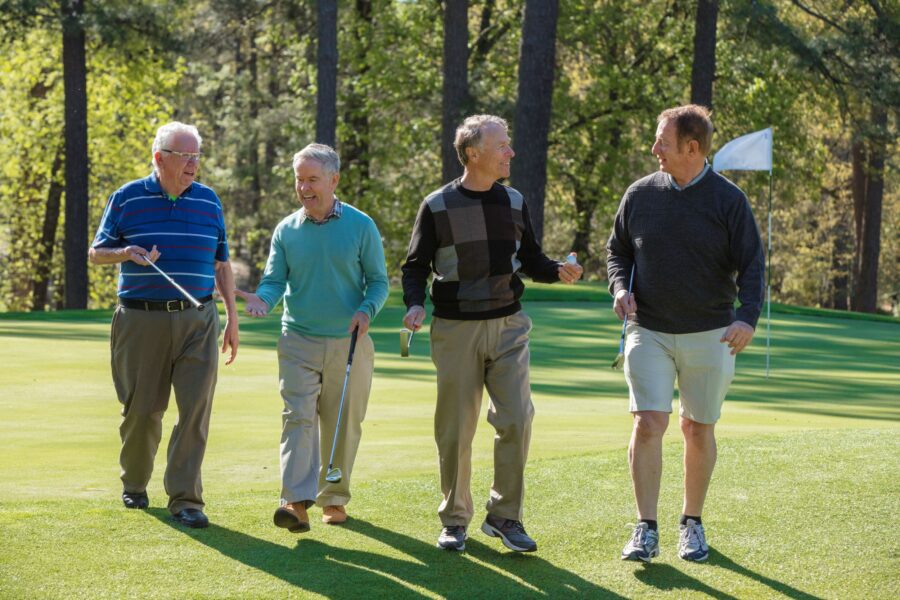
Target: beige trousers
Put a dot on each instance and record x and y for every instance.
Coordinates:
(311, 378)
(469, 356)
(154, 352)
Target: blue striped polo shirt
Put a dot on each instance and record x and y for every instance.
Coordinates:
(189, 233)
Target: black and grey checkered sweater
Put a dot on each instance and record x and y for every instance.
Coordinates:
(474, 244)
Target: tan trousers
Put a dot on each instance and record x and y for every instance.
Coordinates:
(311, 378)
(469, 356)
(154, 352)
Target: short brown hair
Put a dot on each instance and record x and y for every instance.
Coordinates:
(692, 122)
(469, 133)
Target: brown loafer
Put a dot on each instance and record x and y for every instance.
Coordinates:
(292, 517)
(334, 514)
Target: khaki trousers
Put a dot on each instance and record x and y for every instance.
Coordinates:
(311, 377)
(154, 352)
(469, 356)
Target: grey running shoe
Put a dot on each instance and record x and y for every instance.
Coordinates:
(511, 533)
(453, 537)
(692, 542)
(643, 545)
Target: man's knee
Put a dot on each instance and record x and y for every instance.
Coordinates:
(697, 433)
(650, 425)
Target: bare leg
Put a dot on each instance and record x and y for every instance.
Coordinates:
(699, 461)
(645, 459)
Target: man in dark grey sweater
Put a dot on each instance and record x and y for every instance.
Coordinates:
(475, 237)
(688, 237)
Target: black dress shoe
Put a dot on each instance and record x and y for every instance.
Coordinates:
(135, 499)
(191, 517)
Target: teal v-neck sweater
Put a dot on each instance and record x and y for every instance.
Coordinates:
(325, 273)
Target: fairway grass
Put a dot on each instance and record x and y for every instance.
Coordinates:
(803, 504)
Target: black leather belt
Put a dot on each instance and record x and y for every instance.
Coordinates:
(166, 305)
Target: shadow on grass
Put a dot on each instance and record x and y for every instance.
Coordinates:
(668, 578)
(343, 572)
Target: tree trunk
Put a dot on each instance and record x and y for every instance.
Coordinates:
(75, 82)
(455, 94)
(858, 192)
(533, 105)
(703, 71)
(355, 145)
(48, 238)
(867, 285)
(326, 73)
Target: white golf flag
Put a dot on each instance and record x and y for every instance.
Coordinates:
(751, 152)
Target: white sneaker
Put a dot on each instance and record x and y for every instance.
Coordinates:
(643, 545)
(692, 542)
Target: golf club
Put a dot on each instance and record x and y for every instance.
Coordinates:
(187, 294)
(620, 359)
(334, 475)
(406, 338)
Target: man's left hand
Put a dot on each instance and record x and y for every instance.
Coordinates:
(570, 271)
(737, 336)
(230, 339)
(360, 322)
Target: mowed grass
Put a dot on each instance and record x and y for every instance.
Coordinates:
(803, 504)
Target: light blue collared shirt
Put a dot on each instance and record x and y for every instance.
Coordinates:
(692, 181)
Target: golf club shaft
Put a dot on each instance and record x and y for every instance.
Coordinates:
(337, 426)
(186, 293)
(625, 320)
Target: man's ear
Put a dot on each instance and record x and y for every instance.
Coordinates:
(693, 147)
(472, 152)
(335, 178)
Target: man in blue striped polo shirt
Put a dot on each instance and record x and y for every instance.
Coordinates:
(159, 342)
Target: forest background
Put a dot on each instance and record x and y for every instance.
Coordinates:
(84, 85)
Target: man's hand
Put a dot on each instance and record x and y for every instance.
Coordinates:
(570, 271)
(414, 318)
(137, 254)
(359, 322)
(624, 304)
(737, 336)
(230, 339)
(256, 307)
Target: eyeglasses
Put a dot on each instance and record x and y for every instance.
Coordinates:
(190, 156)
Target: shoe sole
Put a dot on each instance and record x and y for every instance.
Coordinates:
(488, 529)
(460, 548)
(192, 525)
(700, 559)
(637, 557)
(286, 520)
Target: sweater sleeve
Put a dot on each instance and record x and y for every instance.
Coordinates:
(372, 259)
(619, 251)
(274, 282)
(535, 263)
(746, 249)
(422, 246)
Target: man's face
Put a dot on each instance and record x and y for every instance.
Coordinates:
(494, 154)
(177, 173)
(677, 162)
(315, 187)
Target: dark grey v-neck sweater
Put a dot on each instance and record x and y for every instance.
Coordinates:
(696, 250)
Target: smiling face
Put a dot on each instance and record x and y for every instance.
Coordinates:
(177, 173)
(491, 158)
(315, 187)
(681, 162)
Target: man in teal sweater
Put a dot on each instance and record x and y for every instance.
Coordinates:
(327, 262)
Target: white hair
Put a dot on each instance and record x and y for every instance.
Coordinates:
(468, 134)
(324, 155)
(168, 131)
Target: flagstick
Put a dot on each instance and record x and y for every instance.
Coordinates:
(769, 280)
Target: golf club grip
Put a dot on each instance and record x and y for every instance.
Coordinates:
(353, 337)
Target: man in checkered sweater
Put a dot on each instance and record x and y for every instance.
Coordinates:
(474, 236)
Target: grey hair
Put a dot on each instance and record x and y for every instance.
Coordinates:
(468, 134)
(324, 155)
(166, 132)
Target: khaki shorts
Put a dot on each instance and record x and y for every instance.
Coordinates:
(702, 364)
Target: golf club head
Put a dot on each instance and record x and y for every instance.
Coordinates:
(404, 342)
(619, 363)
(334, 475)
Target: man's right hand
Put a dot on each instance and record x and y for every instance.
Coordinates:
(414, 318)
(624, 304)
(256, 307)
(138, 255)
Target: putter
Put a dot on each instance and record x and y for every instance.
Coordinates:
(406, 338)
(186, 293)
(334, 475)
(620, 359)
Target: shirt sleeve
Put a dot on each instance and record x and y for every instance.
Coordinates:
(747, 251)
(372, 260)
(222, 245)
(274, 282)
(619, 251)
(419, 256)
(108, 235)
(535, 263)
